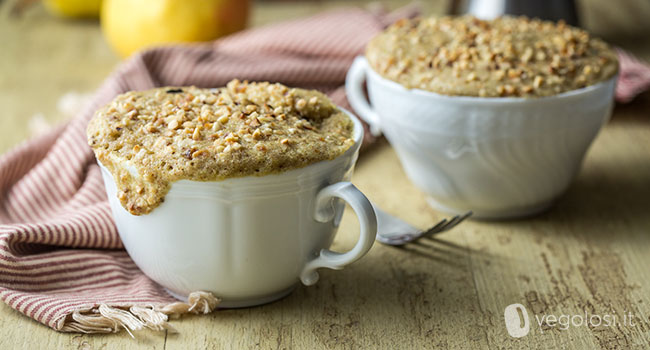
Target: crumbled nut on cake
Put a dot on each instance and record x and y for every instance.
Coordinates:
(508, 56)
(173, 133)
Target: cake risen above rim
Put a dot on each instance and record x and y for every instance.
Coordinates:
(244, 129)
(504, 57)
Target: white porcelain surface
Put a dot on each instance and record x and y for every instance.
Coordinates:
(248, 240)
(499, 157)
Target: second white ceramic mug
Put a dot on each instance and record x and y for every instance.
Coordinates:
(498, 157)
(248, 240)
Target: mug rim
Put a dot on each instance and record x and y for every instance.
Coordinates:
(487, 100)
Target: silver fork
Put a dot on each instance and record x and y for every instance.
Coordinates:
(394, 231)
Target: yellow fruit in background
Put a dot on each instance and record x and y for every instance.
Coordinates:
(74, 8)
(131, 25)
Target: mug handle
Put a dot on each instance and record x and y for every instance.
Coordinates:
(325, 212)
(354, 90)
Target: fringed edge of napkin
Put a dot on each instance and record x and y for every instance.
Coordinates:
(111, 319)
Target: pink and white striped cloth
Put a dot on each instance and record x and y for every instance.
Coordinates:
(61, 259)
(633, 78)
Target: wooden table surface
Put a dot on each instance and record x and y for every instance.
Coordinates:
(589, 253)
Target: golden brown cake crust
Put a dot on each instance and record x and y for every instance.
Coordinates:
(173, 133)
(505, 57)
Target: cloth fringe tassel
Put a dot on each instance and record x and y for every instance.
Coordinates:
(111, 319)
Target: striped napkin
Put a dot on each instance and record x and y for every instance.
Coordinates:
(61, 260)
(633, 77)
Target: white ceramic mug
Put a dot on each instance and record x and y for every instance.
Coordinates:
(499, 157)
(247, 240)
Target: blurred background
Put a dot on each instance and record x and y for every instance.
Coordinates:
(49, 62)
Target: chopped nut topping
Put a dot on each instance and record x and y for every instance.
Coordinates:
(244, 129)
(197, 133)
(470, 57)
(199, 153)
(250, 108)
(173, 125)
(301, 103)
(257, 134)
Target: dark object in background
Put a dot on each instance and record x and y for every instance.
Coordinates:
(553, 10)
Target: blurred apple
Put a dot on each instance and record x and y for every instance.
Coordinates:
(131, 25)
(74, 8)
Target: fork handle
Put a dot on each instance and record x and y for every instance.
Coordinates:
(325, 212)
